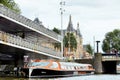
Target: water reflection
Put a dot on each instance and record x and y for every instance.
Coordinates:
(45, 79)
(87, 77)
(10, 78)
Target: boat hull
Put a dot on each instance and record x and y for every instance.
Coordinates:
(52, 73)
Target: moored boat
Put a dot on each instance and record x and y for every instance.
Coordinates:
(52, 68)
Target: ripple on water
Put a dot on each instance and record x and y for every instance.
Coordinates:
(89, 77)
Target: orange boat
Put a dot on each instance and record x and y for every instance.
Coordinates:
(51, 68)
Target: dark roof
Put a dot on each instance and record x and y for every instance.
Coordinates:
(70, 25)
(71, 29)
(78, 31)
(37, 21)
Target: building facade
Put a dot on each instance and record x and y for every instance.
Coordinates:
(22, 38)
(78, 52)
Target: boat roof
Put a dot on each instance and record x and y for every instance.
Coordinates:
(63, 63)
(73, 63)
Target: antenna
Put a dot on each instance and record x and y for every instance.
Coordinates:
(62, 3)
(36, 14)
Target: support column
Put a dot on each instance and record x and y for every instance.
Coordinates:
(98, 63)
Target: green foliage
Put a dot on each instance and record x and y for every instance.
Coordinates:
(111, 41)
(10, 4)
(65, 41)
(56, 30)
(70, 41)
(89, 49)
(57, 45)
(106, 45)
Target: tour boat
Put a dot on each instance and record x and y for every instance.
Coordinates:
(52, 68)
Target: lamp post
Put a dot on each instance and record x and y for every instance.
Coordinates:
(97, 46)
(61, 11)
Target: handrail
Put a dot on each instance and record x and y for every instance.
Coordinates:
(31, 24)
(16, 40)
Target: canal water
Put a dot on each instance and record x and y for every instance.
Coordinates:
(86, 77)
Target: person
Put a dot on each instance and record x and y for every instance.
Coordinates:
(116, 53)
(15, 71)
(18, 74)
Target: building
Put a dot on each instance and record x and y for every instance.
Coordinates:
(78, 53)
(22, 39)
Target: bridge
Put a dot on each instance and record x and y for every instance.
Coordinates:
(107, 63)
(110, 57)
(104, 63)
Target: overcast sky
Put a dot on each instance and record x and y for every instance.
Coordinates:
(96, 17)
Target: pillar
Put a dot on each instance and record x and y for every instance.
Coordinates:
(98, 63)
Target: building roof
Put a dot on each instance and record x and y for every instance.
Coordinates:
(37, 21)
(78, 30)
(71, 29)
(70, 25)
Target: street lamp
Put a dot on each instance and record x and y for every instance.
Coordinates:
(97, 46)
(61, 11)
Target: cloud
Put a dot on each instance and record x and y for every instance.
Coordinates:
(46, 10)
(96, 17)
(84, 3)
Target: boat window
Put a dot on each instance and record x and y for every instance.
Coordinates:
(77, 67)
(81, 67)
(68, 67)
(54, 65)
(38, 64)
(74, 67)
(62, 67)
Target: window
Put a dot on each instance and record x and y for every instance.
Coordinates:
(38, 64)
(54, 65)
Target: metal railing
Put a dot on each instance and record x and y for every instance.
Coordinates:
(31, 24)
(16, 40)
(110, 57)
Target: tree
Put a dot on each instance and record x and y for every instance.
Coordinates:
(57, 45)
(56, 30)
(111, 41)
(11, 4)
(70, 41)
(89, 49)
(106, 46)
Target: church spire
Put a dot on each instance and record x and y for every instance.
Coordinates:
(70, 25)
(78, 30)
(70, 19)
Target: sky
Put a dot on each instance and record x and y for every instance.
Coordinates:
(95, 17)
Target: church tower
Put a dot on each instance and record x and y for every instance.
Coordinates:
(78, 52)
(70, 26)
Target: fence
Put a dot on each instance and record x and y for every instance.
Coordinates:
(31, 24)
(24, 43)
